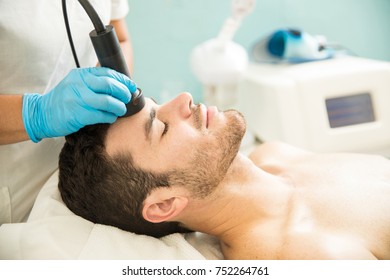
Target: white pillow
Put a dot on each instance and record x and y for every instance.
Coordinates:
(54, 232)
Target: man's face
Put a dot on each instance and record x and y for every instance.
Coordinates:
(194, 143)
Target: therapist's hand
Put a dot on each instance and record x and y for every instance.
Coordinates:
(85, 96)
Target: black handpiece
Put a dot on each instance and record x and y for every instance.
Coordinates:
(109, 54)
(108, 51)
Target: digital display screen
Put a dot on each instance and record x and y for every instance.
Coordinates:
(350, 110)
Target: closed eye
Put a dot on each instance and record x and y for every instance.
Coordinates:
(166, 127)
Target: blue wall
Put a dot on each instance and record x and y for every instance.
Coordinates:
(165, 31)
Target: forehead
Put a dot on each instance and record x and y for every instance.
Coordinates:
(128, 134)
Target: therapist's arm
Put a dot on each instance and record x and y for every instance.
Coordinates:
(12, 129)
(125, 41)
(11, 123)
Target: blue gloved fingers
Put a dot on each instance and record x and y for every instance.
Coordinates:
(104, 71)
(110, 86)
(104, 102)
(107, 72)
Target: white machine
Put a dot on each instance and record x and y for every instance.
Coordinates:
(340, 104)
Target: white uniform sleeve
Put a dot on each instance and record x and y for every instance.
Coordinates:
(120, 8)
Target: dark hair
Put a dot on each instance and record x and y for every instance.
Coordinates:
(107, 190)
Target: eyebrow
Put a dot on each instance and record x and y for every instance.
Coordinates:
(149, 123)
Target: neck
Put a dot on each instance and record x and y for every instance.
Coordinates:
(246, 195)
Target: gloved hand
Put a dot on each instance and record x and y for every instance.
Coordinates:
(85, 96)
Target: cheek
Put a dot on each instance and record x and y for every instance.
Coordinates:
(182, 145)
(179, 145)
(176, 149)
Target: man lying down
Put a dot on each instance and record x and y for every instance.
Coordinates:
(176, 167)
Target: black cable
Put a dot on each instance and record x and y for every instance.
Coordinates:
(69, 33)
(96, 21)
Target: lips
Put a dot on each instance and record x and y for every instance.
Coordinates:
(207, 114)
(211, 112)
(203, 115)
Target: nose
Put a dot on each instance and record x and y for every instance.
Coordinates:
(179, 106)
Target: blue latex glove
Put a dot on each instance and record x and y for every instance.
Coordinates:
(85, 96)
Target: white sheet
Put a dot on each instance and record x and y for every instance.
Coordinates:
(54, 232)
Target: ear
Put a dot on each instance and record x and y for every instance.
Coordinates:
(163, 204)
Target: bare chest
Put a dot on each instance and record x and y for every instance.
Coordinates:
(350, 201)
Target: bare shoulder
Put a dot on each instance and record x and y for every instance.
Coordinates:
(323, 246)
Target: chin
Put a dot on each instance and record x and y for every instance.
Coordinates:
(230, 137)
(236, 124)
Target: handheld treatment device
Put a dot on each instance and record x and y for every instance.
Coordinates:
(108, 51)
